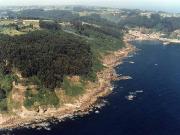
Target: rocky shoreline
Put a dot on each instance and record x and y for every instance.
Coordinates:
(82, 105)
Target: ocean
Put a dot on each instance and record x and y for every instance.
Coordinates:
(147, 104)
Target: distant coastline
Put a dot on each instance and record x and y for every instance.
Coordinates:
(138, 35)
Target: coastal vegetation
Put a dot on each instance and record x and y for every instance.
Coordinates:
(73, 88)
(49, 57)
(43, 97)
(41, 56)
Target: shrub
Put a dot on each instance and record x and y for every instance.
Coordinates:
(2, 94)
(43, 97)
(3, 105)
(73, 89)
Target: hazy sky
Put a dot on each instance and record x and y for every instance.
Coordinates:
(168, 5)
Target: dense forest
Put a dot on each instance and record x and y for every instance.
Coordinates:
(48, 55)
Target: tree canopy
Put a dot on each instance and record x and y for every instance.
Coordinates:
(167, 24)
(48, 55)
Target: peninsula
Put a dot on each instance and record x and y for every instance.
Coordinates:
(56, 62)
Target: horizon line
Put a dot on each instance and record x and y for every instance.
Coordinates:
(99, 6)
